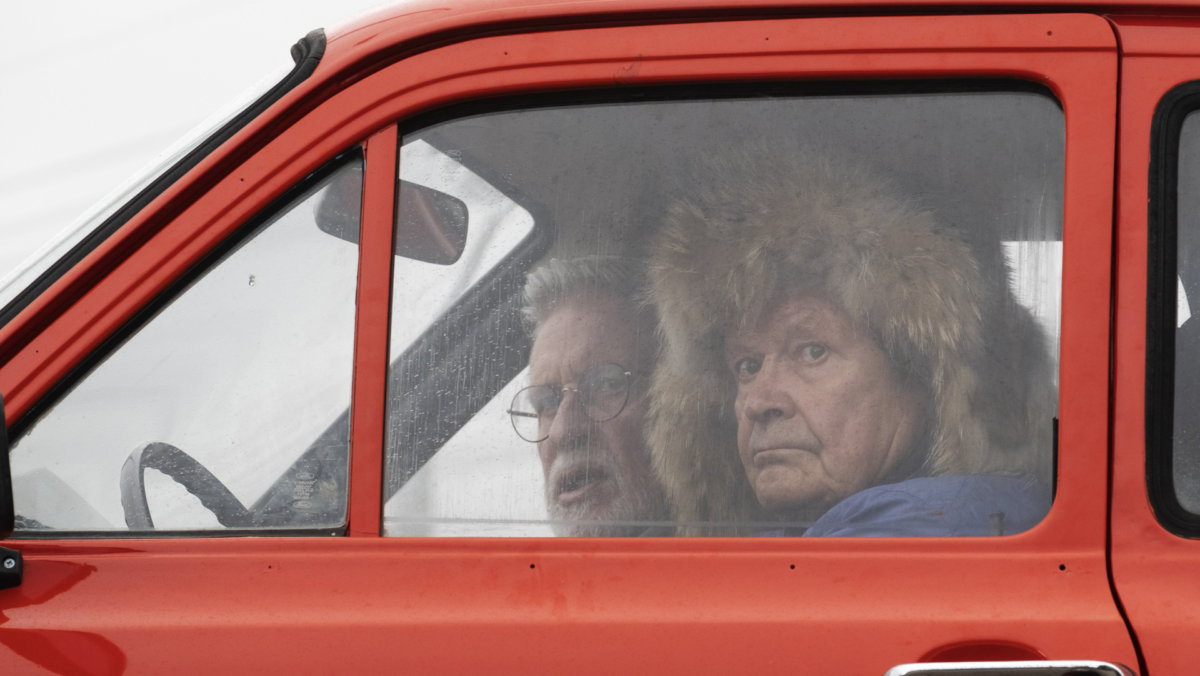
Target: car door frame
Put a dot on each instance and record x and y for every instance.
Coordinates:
(714, 604)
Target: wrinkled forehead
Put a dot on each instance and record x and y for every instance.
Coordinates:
(795, 316)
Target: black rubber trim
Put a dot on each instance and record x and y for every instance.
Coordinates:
(306, 54)
(1161, 313)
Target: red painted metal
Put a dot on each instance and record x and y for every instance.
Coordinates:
(1153, 570)
(592, 606)
(371, 332)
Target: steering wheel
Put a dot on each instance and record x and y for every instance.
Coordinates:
(186, 472)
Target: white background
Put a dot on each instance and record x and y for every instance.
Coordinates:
(93, 92)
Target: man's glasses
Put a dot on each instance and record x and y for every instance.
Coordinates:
(603, 392)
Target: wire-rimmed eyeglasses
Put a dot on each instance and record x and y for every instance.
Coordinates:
(603, 392)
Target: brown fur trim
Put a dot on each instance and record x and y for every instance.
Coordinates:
(774, 228)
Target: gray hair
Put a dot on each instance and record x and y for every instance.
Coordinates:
(769, 227)
(558, 279)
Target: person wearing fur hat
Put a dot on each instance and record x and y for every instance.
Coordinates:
(836, 361)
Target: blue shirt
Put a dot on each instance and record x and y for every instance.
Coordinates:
(936, 507)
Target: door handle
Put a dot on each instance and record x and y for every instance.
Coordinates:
(1015, 668)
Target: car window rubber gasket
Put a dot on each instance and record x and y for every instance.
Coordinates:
(1161, 312)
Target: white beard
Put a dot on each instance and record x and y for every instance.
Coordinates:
(637, 505)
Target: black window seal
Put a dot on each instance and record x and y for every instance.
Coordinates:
(1161, 312)
(306, 55)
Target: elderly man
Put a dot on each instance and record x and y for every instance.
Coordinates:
(593, 349)
(838, 362)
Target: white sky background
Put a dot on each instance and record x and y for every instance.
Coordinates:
(93, 92)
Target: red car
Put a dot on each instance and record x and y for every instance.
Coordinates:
(291, 405)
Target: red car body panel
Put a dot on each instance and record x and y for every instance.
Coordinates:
(366, 602)
(1151, 566)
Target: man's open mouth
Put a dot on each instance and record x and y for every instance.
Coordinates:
(576, 483)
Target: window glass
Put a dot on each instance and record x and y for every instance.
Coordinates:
(814, 314)
(1186, 460)
(227, 409)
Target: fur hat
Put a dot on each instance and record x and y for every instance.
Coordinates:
(946, 319)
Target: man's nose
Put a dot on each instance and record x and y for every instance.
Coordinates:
(570, 421)
(765, 397)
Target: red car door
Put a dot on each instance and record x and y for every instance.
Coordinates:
(1153, 512)
(316, 555)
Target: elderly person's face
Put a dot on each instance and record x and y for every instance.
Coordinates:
(821, 412)
(595, 472)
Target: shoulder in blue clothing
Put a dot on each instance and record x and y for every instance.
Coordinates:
(938, 506)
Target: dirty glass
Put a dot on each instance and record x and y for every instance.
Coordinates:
(815, 313)
(228, 408)
(1186, 461)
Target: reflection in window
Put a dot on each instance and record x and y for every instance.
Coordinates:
(237, 391)
(821, 315)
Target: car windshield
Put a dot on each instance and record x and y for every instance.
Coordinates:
(21, 277)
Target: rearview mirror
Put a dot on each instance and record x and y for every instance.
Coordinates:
(431, 225)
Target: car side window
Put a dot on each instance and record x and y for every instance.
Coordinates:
(228, 408)
(1185, 449)
(1173, 337)
(818, 312)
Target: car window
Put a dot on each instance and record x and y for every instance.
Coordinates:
(1186, 446)
(799, 312)
(227, 409)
